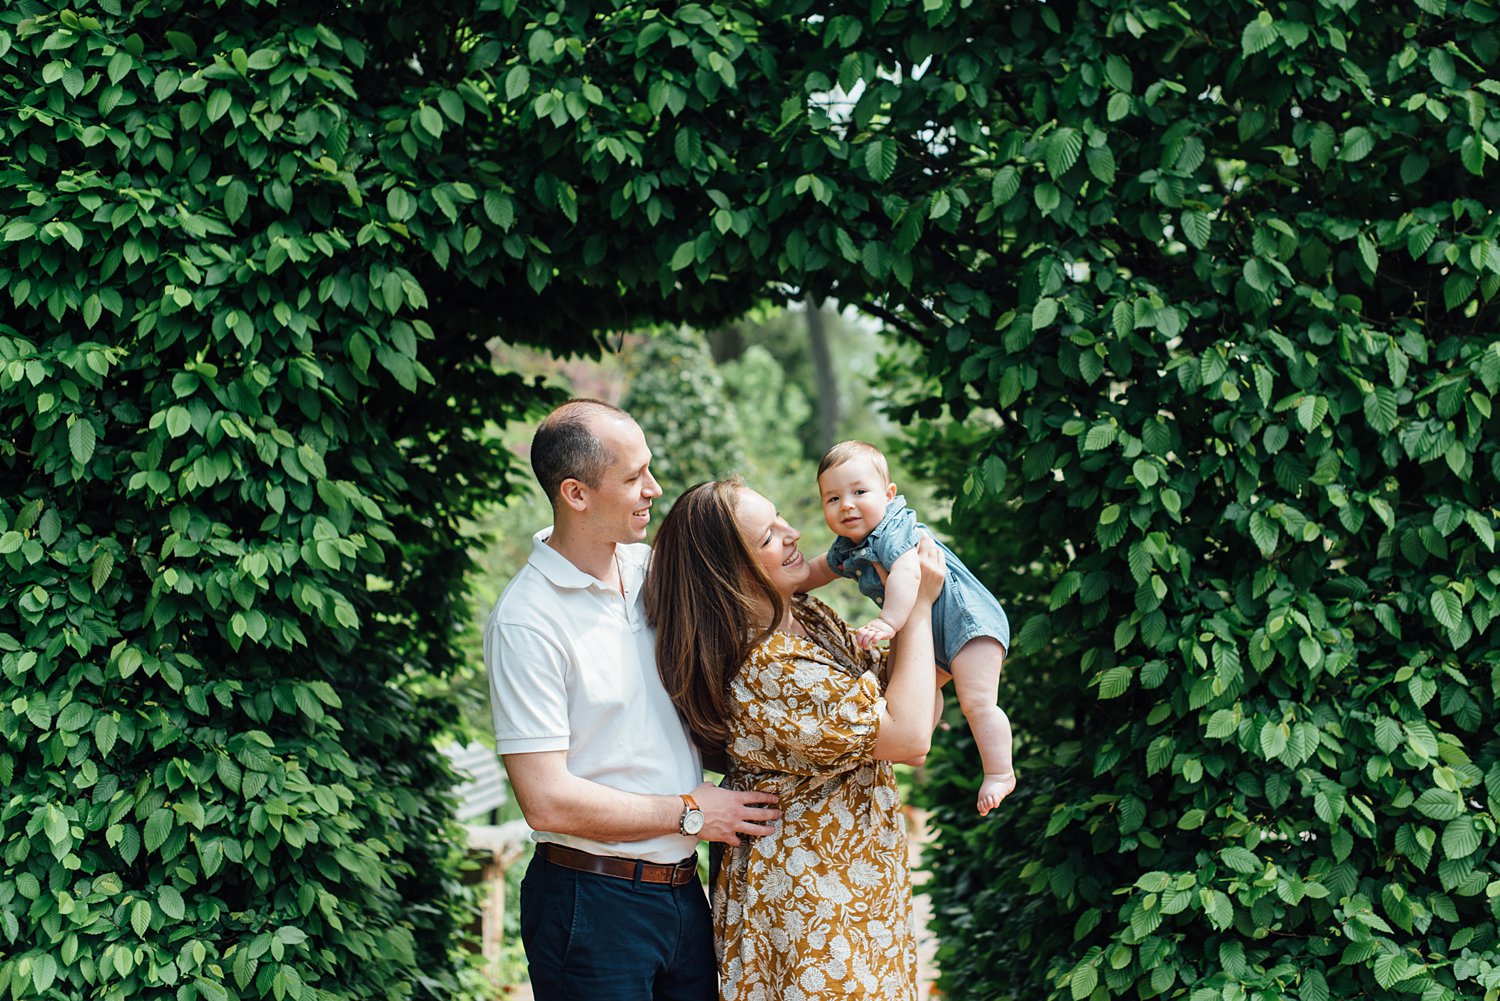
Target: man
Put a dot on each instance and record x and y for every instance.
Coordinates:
(602, 767)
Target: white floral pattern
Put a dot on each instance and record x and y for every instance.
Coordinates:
(822, 908)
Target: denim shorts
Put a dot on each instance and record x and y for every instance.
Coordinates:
(964, 611)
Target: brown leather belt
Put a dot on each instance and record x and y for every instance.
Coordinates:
(685, 871)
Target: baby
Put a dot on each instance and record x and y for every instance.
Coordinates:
(877, 547)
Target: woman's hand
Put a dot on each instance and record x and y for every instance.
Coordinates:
(934, 569)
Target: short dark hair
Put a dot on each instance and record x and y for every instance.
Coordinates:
(565, 446)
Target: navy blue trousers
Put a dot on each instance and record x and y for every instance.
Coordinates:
(602, 938)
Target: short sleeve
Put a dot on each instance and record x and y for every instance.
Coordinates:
(528, 689)
(896, 533)
(841, 561)
(800, 713)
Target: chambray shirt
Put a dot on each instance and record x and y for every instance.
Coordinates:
(964, 610)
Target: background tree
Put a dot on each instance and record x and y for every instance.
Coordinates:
(677, 396)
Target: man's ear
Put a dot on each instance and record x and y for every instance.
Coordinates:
(573, 494)
(890, 491)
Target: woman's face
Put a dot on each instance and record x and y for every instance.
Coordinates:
(772, 542)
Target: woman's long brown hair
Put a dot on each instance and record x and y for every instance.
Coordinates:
(704, 595)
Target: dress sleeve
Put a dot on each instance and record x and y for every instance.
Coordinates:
(805, 714)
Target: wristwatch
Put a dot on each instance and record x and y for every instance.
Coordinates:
(692, 817)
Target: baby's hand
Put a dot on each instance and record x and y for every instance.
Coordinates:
(873, 632)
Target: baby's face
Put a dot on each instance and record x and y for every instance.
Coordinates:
(854, 497)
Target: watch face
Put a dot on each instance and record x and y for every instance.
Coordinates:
(693, 822)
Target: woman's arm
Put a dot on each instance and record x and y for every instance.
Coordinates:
(937, 717)
(906, 725)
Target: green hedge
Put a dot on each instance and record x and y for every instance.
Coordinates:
(228, 521)
(1218, 279)
(1229, 294)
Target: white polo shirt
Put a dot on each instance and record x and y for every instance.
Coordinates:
(572, 666)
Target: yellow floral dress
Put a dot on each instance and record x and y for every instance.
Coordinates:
(821, 908)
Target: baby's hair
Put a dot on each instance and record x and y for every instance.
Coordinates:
(846, 450)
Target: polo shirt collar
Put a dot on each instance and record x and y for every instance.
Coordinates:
(560, 570)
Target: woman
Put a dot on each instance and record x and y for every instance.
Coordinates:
(822, 907)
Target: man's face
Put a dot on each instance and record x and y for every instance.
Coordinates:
(854, 497)
(620, 504)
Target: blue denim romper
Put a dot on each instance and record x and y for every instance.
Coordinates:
(964, 610)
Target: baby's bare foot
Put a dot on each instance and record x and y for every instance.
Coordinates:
(995, 787)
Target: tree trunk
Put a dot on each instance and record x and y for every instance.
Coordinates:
(825, 377)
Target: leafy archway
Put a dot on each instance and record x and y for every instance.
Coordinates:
(1219, 276)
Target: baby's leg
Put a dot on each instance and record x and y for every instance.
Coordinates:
(976, 679)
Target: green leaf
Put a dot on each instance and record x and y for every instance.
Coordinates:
(1240, 859)
(1258, 35)
(157, 829)
(1043, 313)
(1197, 228)
(880, 159)
(81, 441)
(430, 120)
(1273, 739)
(1367, 252)
(684, 256)
(517, 82)
(106, 731)
(400, 204)
(1461, 838)
(43, 974)
(1047, 197)
(1101, 163)
(1117, 71)
(1006, 183)
(218, 104)
(1446, 608)
(1083, 980)
(689, 147)
(1221, 724)
(1118, 107)
(1381, 409)
(1259, 274)
(1387, 734)
(1264, 533)
(104, 565)
(1114, 682)
(1063, 148)
(500, 208)
(1311, 411)
(171, 903)
(236, 200)
(55, 823)
(1359, 142)
(263, 59)
(1440, 64)
(1440, 804)
(140, 917)
(1099, 436)
(1321, 144)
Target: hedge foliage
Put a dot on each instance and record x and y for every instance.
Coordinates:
(227, 522)
(1227, 288)
(1216, 280)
